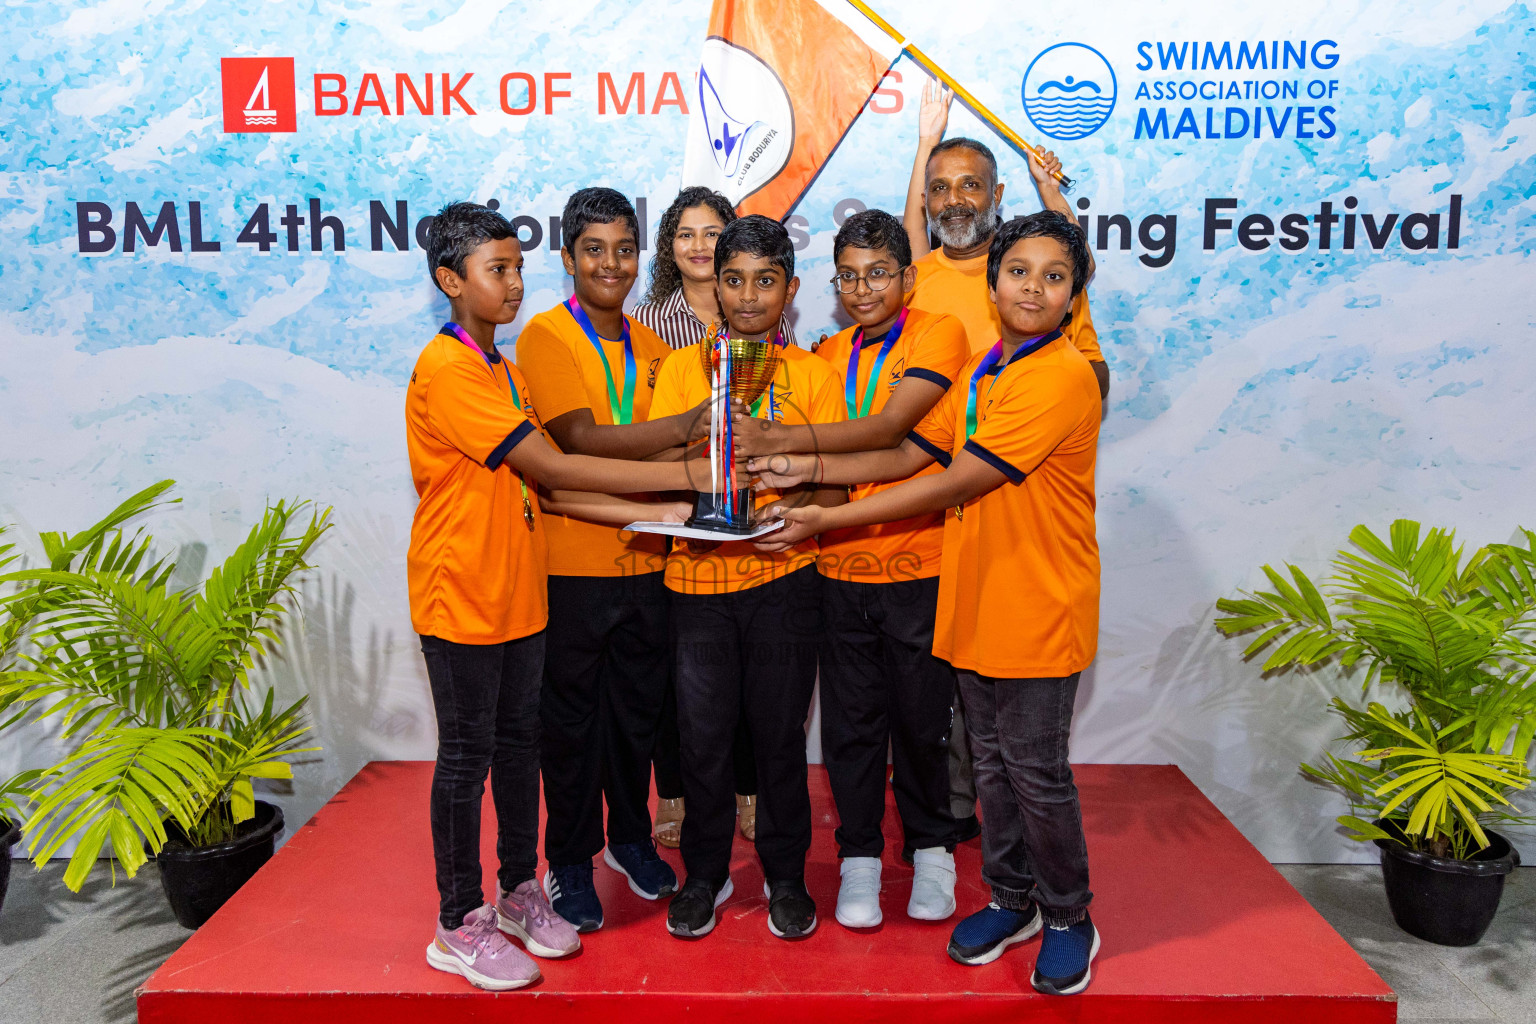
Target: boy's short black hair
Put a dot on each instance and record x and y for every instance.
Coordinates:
(458, 230)
(874, 229)
(756, 235)
(1045, 224)
(970, 145)
(595, 206)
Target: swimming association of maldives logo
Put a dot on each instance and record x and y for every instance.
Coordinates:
(1069, 91)
(258, 94)
(747, 131)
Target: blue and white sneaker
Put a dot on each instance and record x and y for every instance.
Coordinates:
(572, 896)
(649, 876)
(982, 937)
(1065, 964)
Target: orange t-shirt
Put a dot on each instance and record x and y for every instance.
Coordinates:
(959, 288)
(1019, 588)
(805, 390)
(476, 572)
(930, 347)
(564, 374)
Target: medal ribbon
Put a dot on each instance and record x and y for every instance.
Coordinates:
(989, 363)
(621, 406)
(857, 409)
(517, 401)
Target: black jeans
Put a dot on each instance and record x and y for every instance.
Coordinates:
(1032, 845)
(880, 683)
(669, 754)
(487, 703)
(747, 654)
(605, 676)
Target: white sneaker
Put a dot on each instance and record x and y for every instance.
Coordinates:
(933, 885)
(858, 899)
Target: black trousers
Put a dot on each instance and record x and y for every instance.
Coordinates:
(669, 753)
(749, 654)
(605, 675)
(487, 703)
(880, 683)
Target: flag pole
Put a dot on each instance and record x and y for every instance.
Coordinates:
(959, 90)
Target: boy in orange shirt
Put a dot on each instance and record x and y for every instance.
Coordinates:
(476, 570)
(591, 371)
(745, 624)
(1019, 587)
(881, 686)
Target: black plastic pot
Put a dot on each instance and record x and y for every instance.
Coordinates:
(1440, 900)
(10, 833)
(198, 880)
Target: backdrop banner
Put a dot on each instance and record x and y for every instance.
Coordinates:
(1313, 223)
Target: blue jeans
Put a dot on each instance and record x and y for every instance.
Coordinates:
(1032, 845)
(487, 702)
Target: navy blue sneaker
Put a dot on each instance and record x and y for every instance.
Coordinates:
(982, 937)
(649, 876)
(570, 893)
(1065, 964)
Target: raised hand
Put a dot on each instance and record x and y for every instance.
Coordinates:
(1043, 167)
(933, 114)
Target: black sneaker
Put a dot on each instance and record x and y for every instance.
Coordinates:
(691, 914)
(791, 911)
(966, 829)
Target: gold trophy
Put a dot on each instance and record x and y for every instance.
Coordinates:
(734, 370)
(741, 371)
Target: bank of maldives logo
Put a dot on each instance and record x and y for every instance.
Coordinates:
(1069, 91)
(258, 94)
(747, 129)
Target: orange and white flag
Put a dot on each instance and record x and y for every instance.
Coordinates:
(780, 82)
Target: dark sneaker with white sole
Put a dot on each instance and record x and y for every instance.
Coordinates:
(570, 892)
(691, 914)
(649, 876)
(791, 911)
(982, 937)
(1065, 964)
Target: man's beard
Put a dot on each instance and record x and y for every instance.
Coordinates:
(965, 232)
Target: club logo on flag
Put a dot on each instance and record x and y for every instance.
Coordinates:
(258, 94)
(1069, 91)
(748, 124)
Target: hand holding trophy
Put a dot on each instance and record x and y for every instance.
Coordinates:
(742, 371)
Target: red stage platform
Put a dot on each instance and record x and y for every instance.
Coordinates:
(1197, 927)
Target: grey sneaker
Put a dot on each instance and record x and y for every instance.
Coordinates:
(933, 885)
(858, 897)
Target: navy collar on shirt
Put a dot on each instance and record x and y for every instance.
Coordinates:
(1026, 350)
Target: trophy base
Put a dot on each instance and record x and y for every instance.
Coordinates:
(711, 515)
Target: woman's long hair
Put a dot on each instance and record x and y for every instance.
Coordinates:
(666, 277)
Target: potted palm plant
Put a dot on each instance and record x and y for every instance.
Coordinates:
(1448, 644)
(11, 815)
(150, 684)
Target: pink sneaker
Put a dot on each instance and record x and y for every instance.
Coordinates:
(482, 954)
(526, 913)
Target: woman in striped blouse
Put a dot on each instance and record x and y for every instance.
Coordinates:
(680, 303)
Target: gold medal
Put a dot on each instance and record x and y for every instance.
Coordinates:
(527, 508)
